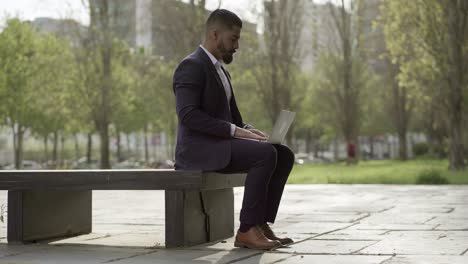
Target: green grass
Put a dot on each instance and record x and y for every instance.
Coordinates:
(379, 172)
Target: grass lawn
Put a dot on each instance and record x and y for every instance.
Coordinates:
(375, 172)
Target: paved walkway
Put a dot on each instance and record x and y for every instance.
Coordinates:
(362, 224)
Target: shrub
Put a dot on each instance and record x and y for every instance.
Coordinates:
(431, 177)
(420, 149)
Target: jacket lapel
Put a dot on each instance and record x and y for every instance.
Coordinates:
(212, 68)
(213, 72)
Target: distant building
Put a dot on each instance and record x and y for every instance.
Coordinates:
(161, 27)
(67, 28)
(319, 33)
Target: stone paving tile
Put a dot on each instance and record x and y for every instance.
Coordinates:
(417, 246)
(346, 217)
(314, 246)
(13, 250)
(148, 240)
(311, 227)
(71, 255)
(427, 260)
(335, 259)
(354, 234)
(384, 226)
(189, 256)
(390, 217)
(267, 257)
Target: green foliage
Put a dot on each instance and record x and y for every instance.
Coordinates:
(420, 149)
(431, 177)
(373, 172)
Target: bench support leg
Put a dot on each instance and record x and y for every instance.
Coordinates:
(39, 215)
(196, 217)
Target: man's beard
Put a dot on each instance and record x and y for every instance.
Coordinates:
(226, 55)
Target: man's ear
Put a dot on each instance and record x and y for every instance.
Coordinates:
(215, 34)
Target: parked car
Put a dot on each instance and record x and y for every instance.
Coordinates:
(27, 165)
(82, 164)
(129, 164)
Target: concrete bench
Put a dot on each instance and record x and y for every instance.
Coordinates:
(50, 204)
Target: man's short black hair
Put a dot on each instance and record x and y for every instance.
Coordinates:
(224, 18)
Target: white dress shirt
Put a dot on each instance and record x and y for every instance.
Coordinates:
(227, 87)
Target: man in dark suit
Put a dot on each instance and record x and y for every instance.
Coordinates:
(210, 126)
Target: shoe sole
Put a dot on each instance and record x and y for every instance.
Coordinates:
(241, 245)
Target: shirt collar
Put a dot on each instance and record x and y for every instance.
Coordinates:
(211, 56)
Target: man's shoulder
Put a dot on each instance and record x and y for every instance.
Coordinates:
(192, 61)
(193, 58)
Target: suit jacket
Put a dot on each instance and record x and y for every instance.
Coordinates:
(204, 118)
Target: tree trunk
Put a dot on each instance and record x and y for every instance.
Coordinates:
(62, 149)
(77, 146)
(119, 146)
(55, 149)
(145, 136)
(104, 146)
(371, 143)
(127, 137)
(308, 141)
(18, 146)
(89, 148)
(456, 69)
(46, 148)
(335, 149)
(402, 145)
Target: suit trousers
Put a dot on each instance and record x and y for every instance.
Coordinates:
(268, 167)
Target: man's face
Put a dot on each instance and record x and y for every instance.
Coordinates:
(228, 43)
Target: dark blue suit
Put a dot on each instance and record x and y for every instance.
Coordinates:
(204, 141)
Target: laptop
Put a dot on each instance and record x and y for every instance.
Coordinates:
(280, 129)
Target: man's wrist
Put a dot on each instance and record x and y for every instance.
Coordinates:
(233, 130)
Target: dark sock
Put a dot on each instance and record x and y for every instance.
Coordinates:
(245, 227)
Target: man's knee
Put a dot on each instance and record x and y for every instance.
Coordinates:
(285, 154)
(270, 153)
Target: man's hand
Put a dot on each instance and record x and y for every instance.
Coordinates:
(258, 132)
(244, 133)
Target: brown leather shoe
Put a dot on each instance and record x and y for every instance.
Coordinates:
(254, 239)
(265, 228)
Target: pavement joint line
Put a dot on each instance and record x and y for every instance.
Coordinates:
(415, 230)
(129, 257)
(441, 236)
(385, 209)
(385, 233)
(19, 253)
(104, 236)
(464, 252)
(330, 239)
(321, 234)
(385, 260)
(428, 220)
(337, 254)
(451, 209)
(244, 258)
(364, 216)
(286, 258)
(355, 252)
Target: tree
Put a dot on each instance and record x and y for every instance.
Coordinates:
(37, 69)
(429, 40)
(277, 79)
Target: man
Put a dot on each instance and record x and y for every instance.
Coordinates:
(209, 127)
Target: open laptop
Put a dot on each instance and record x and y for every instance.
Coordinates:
(280, 129)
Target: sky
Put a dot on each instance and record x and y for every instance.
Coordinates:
(30, 9)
